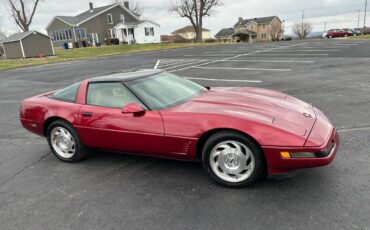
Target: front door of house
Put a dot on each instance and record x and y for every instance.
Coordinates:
(95, 38)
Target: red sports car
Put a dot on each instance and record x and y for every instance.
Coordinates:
(239, 134)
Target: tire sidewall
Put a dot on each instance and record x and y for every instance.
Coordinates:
(79, 149)
(260, 165)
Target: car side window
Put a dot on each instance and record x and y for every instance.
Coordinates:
(110, 94)
(68, 94)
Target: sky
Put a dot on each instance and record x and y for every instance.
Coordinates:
(336, 13)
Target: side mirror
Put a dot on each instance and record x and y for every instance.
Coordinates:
(133, 108)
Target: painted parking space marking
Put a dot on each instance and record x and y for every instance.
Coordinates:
(310, 50)
(289, 55)
(180, 61)
(270, 61)
(345, 130)
(208, 55)
(236, 68)
(223, 80)
(237, 56)
(191, 63)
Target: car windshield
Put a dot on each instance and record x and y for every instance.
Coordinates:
(164, 90)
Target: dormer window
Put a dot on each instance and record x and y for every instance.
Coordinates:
(110, 19)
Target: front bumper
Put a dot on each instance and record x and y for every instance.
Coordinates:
(279, 165)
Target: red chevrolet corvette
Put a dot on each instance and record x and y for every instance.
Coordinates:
(240, 134)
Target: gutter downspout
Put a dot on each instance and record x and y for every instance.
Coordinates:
(52, 47)
(74, 36)
(4, 50)
(20, 42)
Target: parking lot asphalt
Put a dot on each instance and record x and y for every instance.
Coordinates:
(115, 191)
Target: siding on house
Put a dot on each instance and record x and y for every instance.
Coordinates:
(100, 24)
(59, 25)
(13, 50)
(35, 45)
(97, 24)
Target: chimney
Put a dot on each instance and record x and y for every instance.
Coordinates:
(126, 4)
(91, 6)
(240, 19)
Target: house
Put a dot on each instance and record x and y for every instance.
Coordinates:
(102, 25)
(265, 29)
(225, 35)
(188, 33)
(27, 45)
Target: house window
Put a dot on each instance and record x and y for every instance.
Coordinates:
(112, 33)
(263, 35)
(149, 31)
(146, 31)
(110, 19)
(81, 33)
(122, 17)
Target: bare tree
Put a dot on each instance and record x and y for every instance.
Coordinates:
(195, 11)
(275, 31)
(302, 30)
(2, 33)
(23, 12)
(134, 5)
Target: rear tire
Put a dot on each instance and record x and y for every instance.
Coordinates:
(64, 142)
(233, 160)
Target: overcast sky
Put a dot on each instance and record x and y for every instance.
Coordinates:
(337, 13)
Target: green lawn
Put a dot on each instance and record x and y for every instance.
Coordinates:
(85, 53)
(361, 37)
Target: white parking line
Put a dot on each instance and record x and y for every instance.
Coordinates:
(223, 80)
(189, 63)
(270, 61)
(252, 69)
(178, 62)
(208, 55)
(353, 129)
(237, 56)
(308, 50)
(224, 51)
(289, 55)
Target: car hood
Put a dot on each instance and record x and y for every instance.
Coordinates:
(261, 105)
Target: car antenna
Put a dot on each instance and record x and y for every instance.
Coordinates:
(157, 64)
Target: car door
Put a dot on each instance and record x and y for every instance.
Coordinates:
(104, 126)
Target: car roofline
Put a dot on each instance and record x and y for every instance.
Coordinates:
(126, 76)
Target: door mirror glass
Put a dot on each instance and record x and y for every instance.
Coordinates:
(133, 108)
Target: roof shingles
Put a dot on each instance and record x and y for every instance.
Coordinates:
(263, 20)
(75, 20)
(19, 36)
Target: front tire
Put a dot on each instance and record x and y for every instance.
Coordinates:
(64, 142)
(233, 159)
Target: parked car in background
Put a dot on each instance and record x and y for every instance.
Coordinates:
(337, 33)
(352, 32)
(367, 30)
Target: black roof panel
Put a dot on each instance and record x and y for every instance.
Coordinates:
(128, 76)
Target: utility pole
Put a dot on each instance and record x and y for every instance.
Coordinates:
(363, 32)
(324, 27)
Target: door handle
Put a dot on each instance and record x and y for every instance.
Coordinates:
(87, 114)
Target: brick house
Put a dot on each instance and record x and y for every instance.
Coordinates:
(265, 29)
